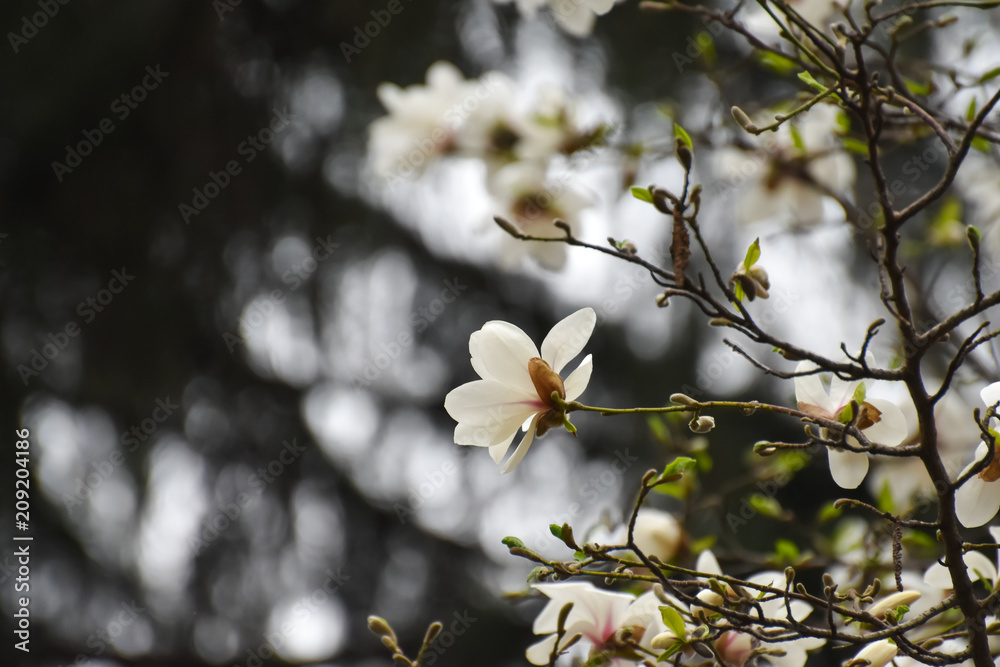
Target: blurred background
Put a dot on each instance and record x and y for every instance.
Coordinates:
(231, 344)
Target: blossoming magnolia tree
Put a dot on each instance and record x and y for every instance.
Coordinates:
(909, 579)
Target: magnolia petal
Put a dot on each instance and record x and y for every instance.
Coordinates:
(592, 607)
(892, 429)
(938, 576)
(568, 338)
(848, 468)
(500, 351)
(841, 392)
(809, 388)
(991, 394)
(574, 19)
(976, 502)
(601, 6)
(539, 654)
(708, 563)
(488, 402)
(522, 448)
(977, 565)
(578, 380)
(489, 434)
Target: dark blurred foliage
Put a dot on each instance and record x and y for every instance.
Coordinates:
(162, 336)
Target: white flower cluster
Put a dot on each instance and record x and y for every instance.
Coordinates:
(577, 17)
(488, 119)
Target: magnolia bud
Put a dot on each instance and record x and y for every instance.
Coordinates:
(657, 533)
(877, 654)
(734, 648)
(743, 120)
(702, 424)
(879, 609)
(665, 640)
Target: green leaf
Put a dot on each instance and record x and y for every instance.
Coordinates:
(672, 489)
(765, 505)
(753, 254)
(970, 113)
(659, 429)
(776, 63)
(843, 122)
(992, 74)
(786, 551)
(642, 194)
(579, 556)
(682, 134)
(829, 512)
(556, 530)
(797, 141)
(678, 465)
(511, 542)
(981, 144)
(884, 500)
(846, 414)
(859, 393)
(536, 571)
(916, 87)
(856, 146)
(703, 543)
(738, 291)
(808, 79)
(673, 621)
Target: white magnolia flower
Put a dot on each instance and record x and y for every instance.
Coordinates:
(795, 650)
(657, 533)
(421, 123)
(598, 615)
(881, 420)
(785, 170)
(533, 203)
(576, 17)
(977, 565)
(517, 384)
(977, 501)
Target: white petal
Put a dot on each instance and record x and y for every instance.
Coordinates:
(488, 402)
(976, 502)
(500, 351)
(522, 448)
(708, 563)
(809, 388)
(601, 6)
(841, 392)
(980, 567)
(538, 654)
(938, 576)
(892, 428)
(499, 450)
(578, 380)
(575, 19)
(568, 338)
(848, 468)
(991, 394)
(489, 434)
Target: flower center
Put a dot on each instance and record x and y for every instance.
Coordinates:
(992, 472)
(546, 381)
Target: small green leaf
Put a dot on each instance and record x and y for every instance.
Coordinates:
(843, 122)
(673, 621)
(970, 113)
(846, 414)
(765, 505)
(916, 87)
(859, 393)
(536, 572)
(659, 429)
(703, 543)
(829, 512)
(556, 530)
(512, 542)
(808, 79)
(992, 74)
(682, 134)
(776, 63)
(678, 465)
(884, 500)
(786, 551)
(672, 489)
(982, 144)
(738, 291)
(579, 556)
(753, 254)
(856, 146)
(642, 194)
(797, 141)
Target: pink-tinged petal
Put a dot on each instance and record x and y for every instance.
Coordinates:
(892, 429)
(539, 654)
(500, 351)
(522, 448)
(976, 502)
(708, 563)
(578, 380)
(991, 394)
(841, 392)
(592, 607)
(568, 338)
(486, 402)
(490, 434)
(809, 388)
(848, 468)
